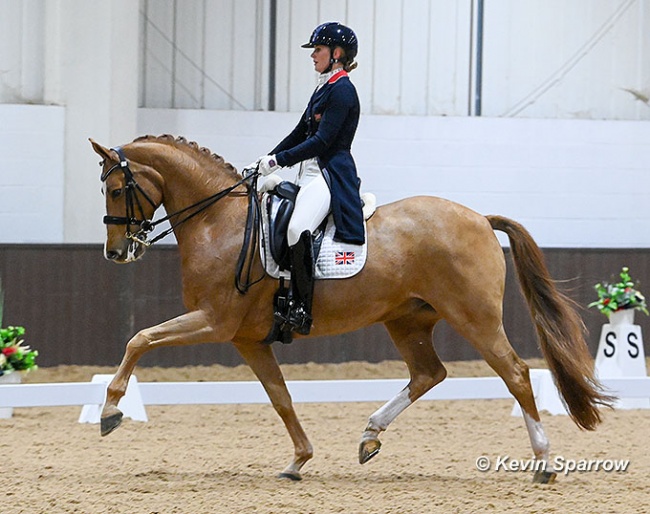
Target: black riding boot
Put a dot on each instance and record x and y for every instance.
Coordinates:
(302, 284)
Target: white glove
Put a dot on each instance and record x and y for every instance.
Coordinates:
(268, 164)
(250, 169)
(269, 183)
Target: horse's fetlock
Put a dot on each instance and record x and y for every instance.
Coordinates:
(305, 453)
(372, 431)
(114, 392)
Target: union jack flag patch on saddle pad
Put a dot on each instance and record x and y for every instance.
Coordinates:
(335, 259)
(343, 258)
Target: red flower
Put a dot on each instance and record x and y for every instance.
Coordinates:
(606, 301)
(9, 350)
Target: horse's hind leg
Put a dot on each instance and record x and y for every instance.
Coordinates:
(501, 357)
(262, 361)
(412, 336)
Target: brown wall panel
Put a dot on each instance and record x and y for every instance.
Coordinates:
(81, 309)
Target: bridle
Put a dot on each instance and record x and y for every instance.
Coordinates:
(132, 200)
(146, 226)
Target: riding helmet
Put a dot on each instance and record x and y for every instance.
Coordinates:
(333, 34)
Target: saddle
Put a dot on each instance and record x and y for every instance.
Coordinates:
(332, 259)
(280, 203)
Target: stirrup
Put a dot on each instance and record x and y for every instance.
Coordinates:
(297, 319)
(277, 334)
(300, 320)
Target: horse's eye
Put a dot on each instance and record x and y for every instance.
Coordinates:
(116, 193)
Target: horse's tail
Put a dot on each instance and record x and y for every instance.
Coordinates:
(560, 329)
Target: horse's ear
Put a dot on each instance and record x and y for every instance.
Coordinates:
(102, 151)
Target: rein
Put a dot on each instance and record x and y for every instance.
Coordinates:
(243, 280)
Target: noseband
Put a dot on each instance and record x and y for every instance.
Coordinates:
(243, 279)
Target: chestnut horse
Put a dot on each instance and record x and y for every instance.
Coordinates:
(429, 259)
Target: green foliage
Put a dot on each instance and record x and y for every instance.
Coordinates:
(14, 354)
(619, 296)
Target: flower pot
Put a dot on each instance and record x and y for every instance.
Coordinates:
(9, 378)
(622, 317)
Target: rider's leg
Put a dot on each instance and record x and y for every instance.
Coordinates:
(302, 284)
(312, 205)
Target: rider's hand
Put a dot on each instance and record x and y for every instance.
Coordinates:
(250, 169)
(269, 183)
(268, 165)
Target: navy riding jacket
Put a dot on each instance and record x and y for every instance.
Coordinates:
(325, 132)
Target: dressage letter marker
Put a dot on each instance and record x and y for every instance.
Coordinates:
(621, 355)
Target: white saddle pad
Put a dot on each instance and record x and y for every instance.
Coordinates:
(335, 260)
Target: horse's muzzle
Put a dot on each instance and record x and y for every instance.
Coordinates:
(130, 252)
(112, 255)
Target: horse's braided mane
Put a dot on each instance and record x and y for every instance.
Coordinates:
(183, 144)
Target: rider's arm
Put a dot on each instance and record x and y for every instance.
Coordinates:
(333, 119)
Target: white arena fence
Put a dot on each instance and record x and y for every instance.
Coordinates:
(91, 395)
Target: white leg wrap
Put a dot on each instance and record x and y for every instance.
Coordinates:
(538, 439)
(384, 416)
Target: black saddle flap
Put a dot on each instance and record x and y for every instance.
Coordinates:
(287, 190)
(280, 205)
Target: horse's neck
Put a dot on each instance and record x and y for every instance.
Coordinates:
(186, 184)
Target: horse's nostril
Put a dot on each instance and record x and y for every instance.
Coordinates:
(111, 255)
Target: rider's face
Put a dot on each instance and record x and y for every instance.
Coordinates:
(321, 58)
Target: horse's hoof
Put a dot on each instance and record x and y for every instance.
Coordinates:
(544, 477)
(291, 476)
(111, 422)
(368, 449)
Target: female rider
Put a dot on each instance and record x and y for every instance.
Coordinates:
(327, 177)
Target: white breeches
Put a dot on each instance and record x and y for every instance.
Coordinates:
(312, 202)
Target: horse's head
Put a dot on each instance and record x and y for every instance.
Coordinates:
(132, 191)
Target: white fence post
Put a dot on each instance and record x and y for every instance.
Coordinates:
(131, 403)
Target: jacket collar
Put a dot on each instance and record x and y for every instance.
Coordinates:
(331, 77)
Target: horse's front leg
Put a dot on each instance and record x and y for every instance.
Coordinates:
(191, 328)
(262, 361)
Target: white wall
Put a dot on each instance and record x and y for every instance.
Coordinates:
(580, 59)
(572, 183)
(92, 69)
(31, 174)
(583, 59)
(22, 50)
